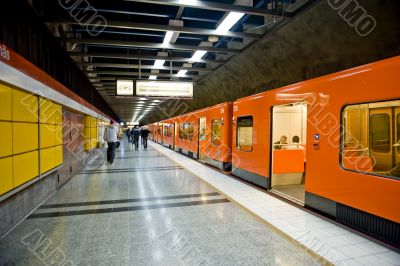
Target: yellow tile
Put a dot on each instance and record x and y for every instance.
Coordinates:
(93, 133)
(25, 167)
(59, 134)
(86, 144)
(47, 159)
(25, 137)
(47, 135)
(93, 121)
(58, 115)
(86, 132)
(5, 102)
(87, 121)
(6, 178)
(59, 155)
(5, 139)
(46, 111)
(24, 107)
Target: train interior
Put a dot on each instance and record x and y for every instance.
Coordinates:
(289, 125)
(371, 138)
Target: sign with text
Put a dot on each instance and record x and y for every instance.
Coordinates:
(169, 89)
(124, 87)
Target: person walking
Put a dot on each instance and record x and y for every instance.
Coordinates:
(144, 133)
(136, 134)
(111, 137)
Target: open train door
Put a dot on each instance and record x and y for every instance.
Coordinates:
(288, 155)
(202, 138)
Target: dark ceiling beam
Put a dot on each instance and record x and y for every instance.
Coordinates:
(215, 6)
(135, 74)
(150, 45)
(145, 57)
(131, 66)
(156, 27)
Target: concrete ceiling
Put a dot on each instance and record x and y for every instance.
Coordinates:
(133, 34)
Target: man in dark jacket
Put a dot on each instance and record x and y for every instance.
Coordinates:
(144, 134)
(135, 134)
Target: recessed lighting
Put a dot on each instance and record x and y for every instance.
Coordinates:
(159, 63)
(181, 73)
(229, 21)
(167, 38)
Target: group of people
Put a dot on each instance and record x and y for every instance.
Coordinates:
(134, 134)
(283, 144)
(112, 135)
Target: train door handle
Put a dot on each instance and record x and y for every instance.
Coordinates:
(396, 145)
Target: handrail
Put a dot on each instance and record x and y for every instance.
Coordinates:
(366, 149)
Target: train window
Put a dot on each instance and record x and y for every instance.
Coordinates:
(181, 132)
(398, 132)
(216, 132)
(380, 132)
(369, 138)
(190, 129)
(244, 134)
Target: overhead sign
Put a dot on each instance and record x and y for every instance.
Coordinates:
(175, 89)
(125, 87)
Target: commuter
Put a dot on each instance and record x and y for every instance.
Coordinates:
(283, 140)
(111, 137)
(136, 134)
(144, 133)
(128, 135)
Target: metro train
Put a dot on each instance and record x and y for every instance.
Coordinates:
(341, 156)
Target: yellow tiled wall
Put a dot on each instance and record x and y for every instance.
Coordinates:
(90, 133)
(50, 135)
(20, 145)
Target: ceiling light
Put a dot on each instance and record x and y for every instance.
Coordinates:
(198, 55)
(159, 63)
(229, 21)
(181, 73)
(156, 101)
(167, 38)
(142, 99)
(153, 77)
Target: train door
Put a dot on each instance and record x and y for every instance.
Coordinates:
(202, 137)
(380, 137)
(288, 155)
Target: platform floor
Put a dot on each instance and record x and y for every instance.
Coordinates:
(146, 210)
(335, 243)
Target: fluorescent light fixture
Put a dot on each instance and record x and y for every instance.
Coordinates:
(167, 38)
(229, 21)
(125, 87)
(142, 99)
(159, 63)
(164, 88)
(152, 77)
(156, 101)
(181, 73)
(198, 54)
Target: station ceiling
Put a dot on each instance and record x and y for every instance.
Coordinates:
(166, 39)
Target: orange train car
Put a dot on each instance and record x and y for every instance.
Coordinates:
(331, 143)
(204, 135)
(313, 143)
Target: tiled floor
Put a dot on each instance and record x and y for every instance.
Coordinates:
(335, 244)
(147, 210)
